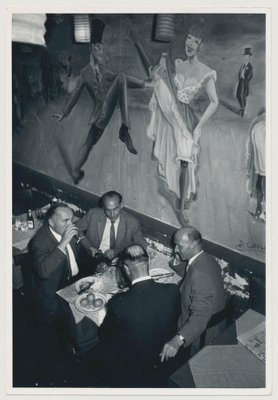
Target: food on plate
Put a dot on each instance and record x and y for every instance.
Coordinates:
(84, 302)
(86, 284)
(98, 302)
(90, 297)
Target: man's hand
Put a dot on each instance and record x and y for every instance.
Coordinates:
(68, 234)
(102, 267)
(177, 260)
(171, 348)
(110, 254)
(59, 117)
(93, 251)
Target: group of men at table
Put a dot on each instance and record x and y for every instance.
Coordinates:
(146, 327)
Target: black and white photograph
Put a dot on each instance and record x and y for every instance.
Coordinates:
(139, 201)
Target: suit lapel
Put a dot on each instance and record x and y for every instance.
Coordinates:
(188, 273)
(72, 246)
(101, 226)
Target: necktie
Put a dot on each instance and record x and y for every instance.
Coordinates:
(112, 235)
(68, 258)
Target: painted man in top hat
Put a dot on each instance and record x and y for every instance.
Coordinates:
(245, 75)
(107, 89)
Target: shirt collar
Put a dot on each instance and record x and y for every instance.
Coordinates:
(116, 223)
(190, 261)
(143, 278)
(55, 234)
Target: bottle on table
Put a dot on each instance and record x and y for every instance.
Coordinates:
(30, 220)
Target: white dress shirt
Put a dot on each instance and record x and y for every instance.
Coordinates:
(143, 278)
(105, 241)
(73, 264)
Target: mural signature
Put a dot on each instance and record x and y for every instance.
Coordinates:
(242, 245)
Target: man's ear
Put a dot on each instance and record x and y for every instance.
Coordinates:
(50, 222)
(126, 270)
(121, 205)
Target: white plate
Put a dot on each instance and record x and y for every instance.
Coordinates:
(83, 280)
(160, 271)
(89, 308)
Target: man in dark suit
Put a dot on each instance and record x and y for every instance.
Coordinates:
(202, 292)
(109, 228)
(135, 327)
(54, 254)
(107, 89)
(244, 77)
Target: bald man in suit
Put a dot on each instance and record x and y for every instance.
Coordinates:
(110, 228)
(202, 293)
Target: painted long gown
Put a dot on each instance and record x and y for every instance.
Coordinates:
(256, 161)
(172, 124)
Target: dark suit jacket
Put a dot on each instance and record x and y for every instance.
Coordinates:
(94, 221)
(202, 295)
(50, 272)
(136, 326)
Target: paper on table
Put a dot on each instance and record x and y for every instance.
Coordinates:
(232, 366)
(254, 340)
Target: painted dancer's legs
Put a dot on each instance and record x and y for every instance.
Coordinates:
(116, 94)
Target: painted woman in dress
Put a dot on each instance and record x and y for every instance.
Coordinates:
(174, 127)
(256, 166)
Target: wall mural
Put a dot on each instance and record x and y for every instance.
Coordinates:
(256, 167)
(244, 77)
(174, 127)
(107, 89)
(184, 93)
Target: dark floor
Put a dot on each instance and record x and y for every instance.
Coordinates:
(40, 357)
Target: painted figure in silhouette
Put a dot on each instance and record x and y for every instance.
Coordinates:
(244, 77)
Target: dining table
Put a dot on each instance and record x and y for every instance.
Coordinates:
(226, 362)
(83, 322)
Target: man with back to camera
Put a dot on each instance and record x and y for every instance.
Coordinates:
(202, 294)
(110, 228)
(107, 89)
(55, 255)
(135, 327)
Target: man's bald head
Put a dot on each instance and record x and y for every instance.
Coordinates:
(188, 242)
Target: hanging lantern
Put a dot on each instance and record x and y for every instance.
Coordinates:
(165, 27)
(28, 28)
(82, 29)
